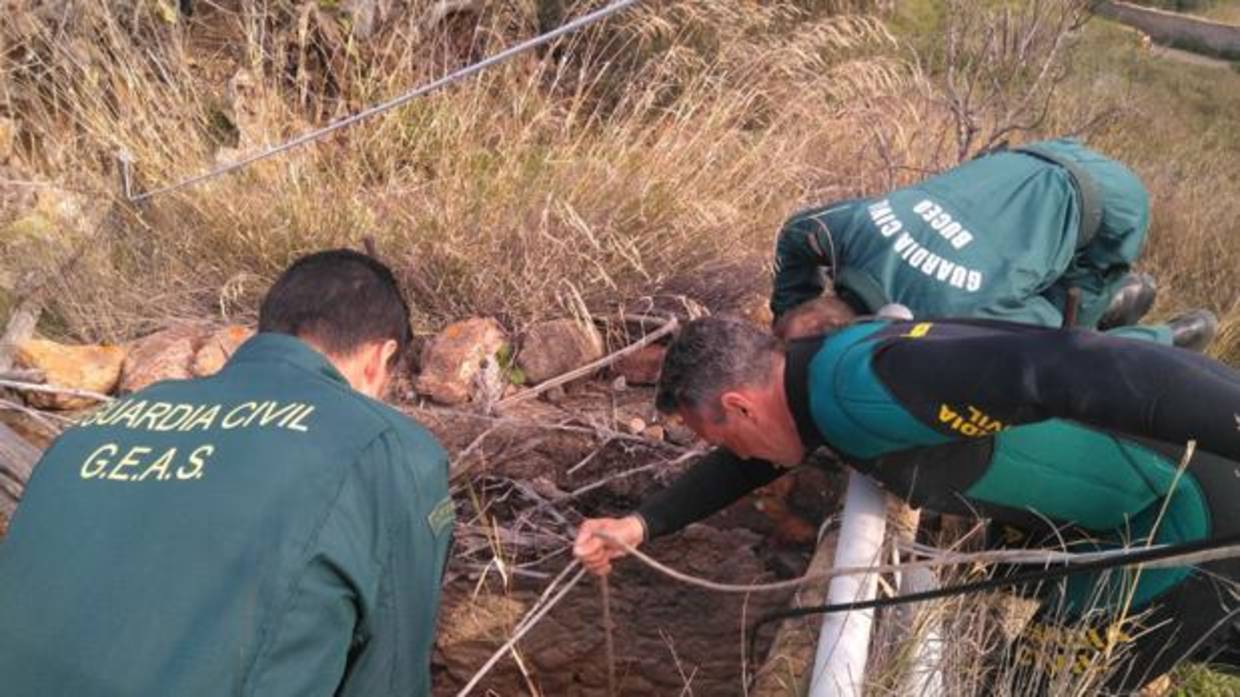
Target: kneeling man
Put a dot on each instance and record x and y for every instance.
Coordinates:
(274, 529)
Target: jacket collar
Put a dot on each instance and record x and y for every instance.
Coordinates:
(797, 357)
(270, 347)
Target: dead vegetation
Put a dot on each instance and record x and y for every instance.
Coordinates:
(657, 155)
(626, 165)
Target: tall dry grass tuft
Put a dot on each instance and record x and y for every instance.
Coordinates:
(622, 162)
(997, 644)
(1178, 126)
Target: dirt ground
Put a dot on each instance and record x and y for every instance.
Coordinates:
(670, 638)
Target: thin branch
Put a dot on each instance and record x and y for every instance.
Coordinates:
(589, 368)
(44, 419)
(596, 431)
(627, 473)
(527, 623)
(459, 468)
(27, 375)
(48, 389)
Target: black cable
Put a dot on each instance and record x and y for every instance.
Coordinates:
(1119, 561)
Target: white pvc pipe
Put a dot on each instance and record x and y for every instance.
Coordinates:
(925, 676)
(844, 641)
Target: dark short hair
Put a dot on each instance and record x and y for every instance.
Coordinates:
(339, 299)
(711, 356)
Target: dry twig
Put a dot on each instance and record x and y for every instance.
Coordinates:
(28, 375)
(48, 389)
(668, 327)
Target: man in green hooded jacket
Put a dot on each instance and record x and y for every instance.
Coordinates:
(271, 530)
(1003, 236)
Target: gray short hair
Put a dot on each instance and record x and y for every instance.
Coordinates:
(711, 356)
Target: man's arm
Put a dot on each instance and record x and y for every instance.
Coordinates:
(803, 253)
(974, 385)
(711, 484)
(391, 649)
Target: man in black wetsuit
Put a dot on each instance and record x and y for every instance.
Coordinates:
(1019, 424)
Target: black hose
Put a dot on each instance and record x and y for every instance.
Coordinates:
(1119, 561)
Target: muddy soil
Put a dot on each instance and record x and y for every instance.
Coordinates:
(670, 638)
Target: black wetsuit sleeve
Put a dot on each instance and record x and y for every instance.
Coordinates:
(974, 385)
(718, 479)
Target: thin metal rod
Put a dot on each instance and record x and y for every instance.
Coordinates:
(448, 79)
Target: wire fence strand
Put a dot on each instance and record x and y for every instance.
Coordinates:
(455, 76)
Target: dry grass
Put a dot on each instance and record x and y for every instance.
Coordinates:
(513, 194)
(1178, 126)
(980, 654)
(658, 155)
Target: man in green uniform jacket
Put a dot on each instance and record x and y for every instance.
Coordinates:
(1003, 236)
(1009, 421)
(272, 530)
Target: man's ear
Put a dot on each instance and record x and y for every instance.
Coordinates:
(387, 351)
(379, 356)
(737, 403)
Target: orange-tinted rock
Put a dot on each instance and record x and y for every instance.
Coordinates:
(94, 368)
(453, 359)
(164, 355)
(218, 348)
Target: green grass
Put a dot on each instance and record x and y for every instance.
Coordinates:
(1194, 680)
(1179, 128)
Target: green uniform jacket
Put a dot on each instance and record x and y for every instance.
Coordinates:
(999, 237)
(265, 531)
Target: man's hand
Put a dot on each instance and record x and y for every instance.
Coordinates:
(813, 317)
(596, 553)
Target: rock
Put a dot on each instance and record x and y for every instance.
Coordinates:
(555, 395)
(679, 434)
(164, 355)
(642, 366)
(94, 368)
(217, 349)
(556, 347)
(45, 229)
(452, 360)
(790, 528)
(30, 430)
(490, 382)
(654, 432)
